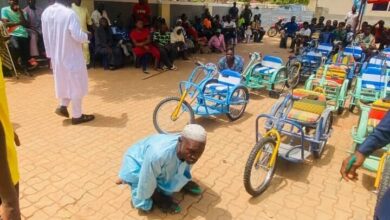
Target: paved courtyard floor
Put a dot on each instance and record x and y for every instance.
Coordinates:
(68, 172)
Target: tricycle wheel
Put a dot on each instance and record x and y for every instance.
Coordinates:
(352, 105)
(340, 110)
(211, 81)
(351, 108)
(272, 32)
(281, 78)
(384, 184)
(328, 122)
(293, 76)
(258, 174)
(237, 103)
(162, 116)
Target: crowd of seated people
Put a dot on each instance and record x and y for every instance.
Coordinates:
(337, 33)
(205, 33)
(151, 41)
(24, 28)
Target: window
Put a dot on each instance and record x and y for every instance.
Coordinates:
(380, 6)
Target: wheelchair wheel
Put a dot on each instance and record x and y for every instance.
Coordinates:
(282, 78)
(272, 32)
(294, 76)
(384, 184)
(319, 148)
(340, 110)
(237, 103)
(162, 119)
(352, 106)
(257, 174)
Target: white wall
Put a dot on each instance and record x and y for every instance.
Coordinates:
(341, 7)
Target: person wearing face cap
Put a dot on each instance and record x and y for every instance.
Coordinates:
(159, 165)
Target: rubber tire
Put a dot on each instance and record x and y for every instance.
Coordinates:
(317, 154)
(298, 78)
(340, 110)
(231, 118)
(159, 130)
(271, 33)
(285, 84)
(205, 85)
(384, 185)
(352, 107)
(249, 165)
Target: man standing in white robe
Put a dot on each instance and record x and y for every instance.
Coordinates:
(63, 40)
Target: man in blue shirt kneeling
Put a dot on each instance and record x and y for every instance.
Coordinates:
(159, 165)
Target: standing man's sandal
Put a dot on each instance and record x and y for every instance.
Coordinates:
(82, 119)
(62, 111)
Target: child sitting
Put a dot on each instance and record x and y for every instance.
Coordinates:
(248, 34)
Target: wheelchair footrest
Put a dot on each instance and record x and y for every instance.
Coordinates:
(287, 152)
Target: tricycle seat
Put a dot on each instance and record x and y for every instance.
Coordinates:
(312, 57)
(269, 65)
(227, 80)
(309, 108)
(336, 73)
(354, 51)
(378, 111)
(325, 48)
(373, 78)
(263, 70)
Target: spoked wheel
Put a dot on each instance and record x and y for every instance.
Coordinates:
(162, 116)
(272, 32)
(237, 103)
(328, 122)
(293, 76)
(280, 81)
(257, 174)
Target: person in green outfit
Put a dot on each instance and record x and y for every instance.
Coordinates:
(15, 20)
(340, 34)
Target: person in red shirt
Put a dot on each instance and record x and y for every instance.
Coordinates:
(141, 11)
(190, 30)
(381, 34)
(143, 46)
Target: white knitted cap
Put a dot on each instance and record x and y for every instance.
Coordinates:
(194, 132)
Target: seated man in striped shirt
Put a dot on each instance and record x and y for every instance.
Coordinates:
(162, 40)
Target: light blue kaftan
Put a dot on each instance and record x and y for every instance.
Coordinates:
(152, 164)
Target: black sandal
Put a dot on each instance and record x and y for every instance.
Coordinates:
(82, 119)
(62, 111)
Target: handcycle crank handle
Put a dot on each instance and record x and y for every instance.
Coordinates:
(349, 165)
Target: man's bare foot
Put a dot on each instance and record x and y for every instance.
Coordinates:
(119, 181)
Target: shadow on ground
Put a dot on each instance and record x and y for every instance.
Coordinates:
(203, 206)
(103, 121)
